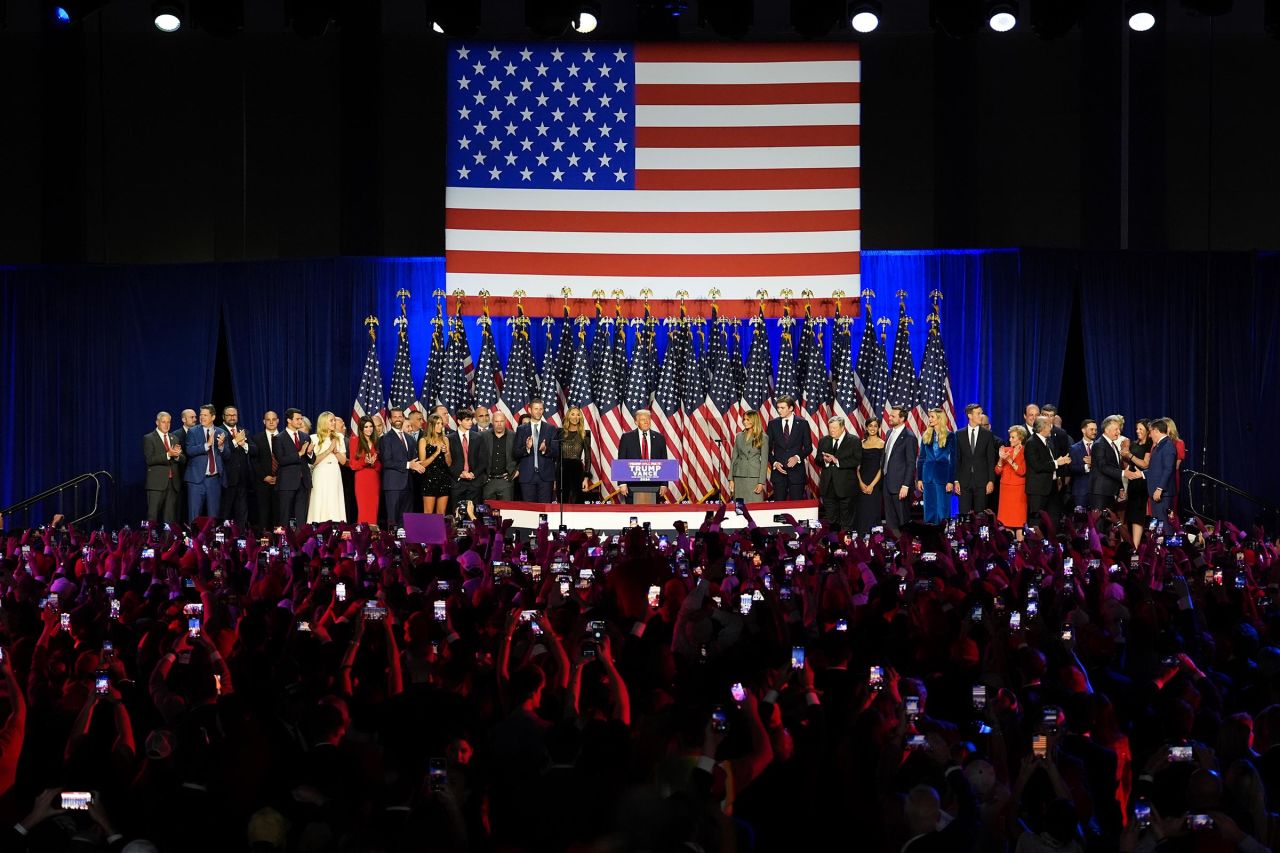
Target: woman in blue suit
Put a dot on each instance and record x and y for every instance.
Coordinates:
(936, 470)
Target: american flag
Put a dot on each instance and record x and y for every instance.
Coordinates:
(548, 383)
(785, 384)
(636, 394)
(737, 379)
(665, 167)
(815, 392)
(564, 358)
(719, 402)
(468, 367)
(402, 395)
(579, 393)
(489, 371)
(435, 363)
(847, 402)
(369, 396)
(757, 385)
(699, 433)
(611, 422)
(517, 382)
(453, 389)
(871, 376)
(667, 416)
(904, 387)
(935, 377)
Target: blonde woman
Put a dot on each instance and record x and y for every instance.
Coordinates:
(936, 468)
(1012, 471)
(328, 500)
(575, 456)
(1180, 448)
(749, 465)
(434, 455)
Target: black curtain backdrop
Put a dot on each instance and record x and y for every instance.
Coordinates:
(90, 354)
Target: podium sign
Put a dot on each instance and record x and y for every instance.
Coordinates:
(656, 471)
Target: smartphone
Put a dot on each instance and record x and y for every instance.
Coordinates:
(984, 532)
(635, 521)
(542, 518)
(304, 626)
(374, 613)
(1015, 620)
(101, 682)
(975, 613)
(340, 591)
(963, 553)
(875, 678)
(842, 624)
(797, 657)
(655, 593)
(1049, 716)
(1033, 609)
(1181, 754)
(1199, 822)
(929, 557)
(738, 505)
(108, 652)
(738, 693)
(1240, 581)
(115, 608)
(917, 742)
(76, 801)
(719, 719)
(1068, 632)
(437, 775)
(1239, 558)
(979, 697)
(1142, 813)
(438, 609)
(148, 553)
(913, 708)
(193, 626)
(64, 621)
(1040, 746)
(193, 609)
(565, 584)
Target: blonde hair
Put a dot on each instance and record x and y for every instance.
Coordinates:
(581, 431)
(324, 428)
(1020, 431)
(753, 426)
(1172, 432)
(434, 437)
(942, 431)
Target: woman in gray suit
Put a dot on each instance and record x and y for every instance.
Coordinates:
(749, 468)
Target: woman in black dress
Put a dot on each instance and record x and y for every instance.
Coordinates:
(1135, 461)
(433, 453)
(575, 457)
(870, 480)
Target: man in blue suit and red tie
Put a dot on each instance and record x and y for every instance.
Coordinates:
(206, 450)
(1161, 470)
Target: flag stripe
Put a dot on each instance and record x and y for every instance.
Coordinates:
(638, 243)
(748, 137)
(746, 115)
(674, 222)
(569, 263)
(748, 73)
(591, 201)
(804, 157)
(735, 93)
(728, 52)
(747, 179)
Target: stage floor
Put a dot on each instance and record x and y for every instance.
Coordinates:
(614, 517)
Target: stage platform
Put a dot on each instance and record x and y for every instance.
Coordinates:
(614, 517)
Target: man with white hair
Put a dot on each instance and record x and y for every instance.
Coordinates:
(839, 455)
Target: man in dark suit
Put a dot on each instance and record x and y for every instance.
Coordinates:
(975, 463)
(399, 460)
(899, 468)
(1162, 470)
(1107, 477)
(643, 442)
(262, 462)
(1042, 469)
(1059, 445)
(239, 474)
(187, 421)
(484, 420)
(464, 450)
(497, 461)
(839, 455)
(206, 451)
(790, 444)
(537, 451)
(294, 455)
(162, 452)
(1081, 463)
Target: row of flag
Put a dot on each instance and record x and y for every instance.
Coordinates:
(698, 391)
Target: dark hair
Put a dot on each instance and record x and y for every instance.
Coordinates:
(968, 410)
(209, 407)
(1050, 408)
(289, 413)
(464, 415)
(1160, 424)
(389, 413)
(366, 445)
(537, 400)
(785, 398)
(900, 411)
(1084, 423)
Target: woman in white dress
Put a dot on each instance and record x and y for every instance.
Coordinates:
(328, 501)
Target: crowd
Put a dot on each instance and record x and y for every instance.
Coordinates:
(332, 687)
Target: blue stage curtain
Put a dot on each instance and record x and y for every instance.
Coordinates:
(90, 354)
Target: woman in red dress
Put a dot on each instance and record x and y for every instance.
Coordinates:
(1180, 448)
(363, 459)
(1012, 469)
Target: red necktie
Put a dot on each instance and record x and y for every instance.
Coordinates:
(297, 441)
(786, 429)
(644, 445)
(466, 465)
(167, 448)
(213, 466)
(271, 448)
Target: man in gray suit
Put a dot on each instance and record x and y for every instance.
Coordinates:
(899, 466)
(163, 454)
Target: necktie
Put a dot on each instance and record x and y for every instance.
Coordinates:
(535, 445)
(271, 447)
(644, 445)
(888, 448)
(213, 466)
(167, 448)
(837, 450)
(297, 441)
(403, 440)
(973, 438)
(786, 428)
(466, 465)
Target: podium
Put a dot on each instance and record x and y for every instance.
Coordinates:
(644, 477)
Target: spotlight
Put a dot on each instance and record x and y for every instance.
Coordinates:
(1141, 15)
(864, 17)
(587, 19)
(728, 18)
(1002, 16)
(61, 15)
(67, 12)
(452, 19)
(168, 17)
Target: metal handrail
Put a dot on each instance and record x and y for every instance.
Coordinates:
(60, 488)
(1214, 482)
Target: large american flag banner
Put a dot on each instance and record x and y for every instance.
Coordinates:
(369, 400)
(651, 166)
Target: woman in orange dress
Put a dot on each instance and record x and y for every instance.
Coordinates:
(1012, 470)
(363, 459)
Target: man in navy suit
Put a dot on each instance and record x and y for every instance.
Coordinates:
(464, 450)
(206, 451)
(399, 457)
(1082, 463)
(294, 456)
(1161, 471)
(1107, 477)
(239, 471)
(975, 463)
(899, 468)
(790, 444)
(643, 442)
(537, 451)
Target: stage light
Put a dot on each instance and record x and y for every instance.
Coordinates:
(69, 12)
(168, 17)
(729, 18)
(864, 17)
(588, 18)
(61, 15)
(1002, 16)
(1141, 15)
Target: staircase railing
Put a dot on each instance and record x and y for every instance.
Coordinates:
(82, 492)
(1212, 499)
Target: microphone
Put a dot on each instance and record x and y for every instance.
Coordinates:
(718, 441)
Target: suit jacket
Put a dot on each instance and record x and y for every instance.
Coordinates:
(295, 469)
(1040, 467)
(198, 459)
(900, 467)
(260, 456)
(799, 443)
(547, 464)
(629, 448)
(1059, 441)
(473, 456)
(159, 465)
(1079, 476)
(1107, 476)
(239, 462)
(838, 479)
(975, 466)
(485, 442)
(396, 455)
(1162, 468)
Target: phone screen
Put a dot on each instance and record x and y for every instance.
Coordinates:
(101, 683)
(76, 800)
(979, 697)
(719, 719)
(655, 592)
(438, 774)
(193, 626)
(1181, 754)
(797, 657)
(340, 591)
(738, 692)
(439, 611)
(1040, 746)
(875, 677)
